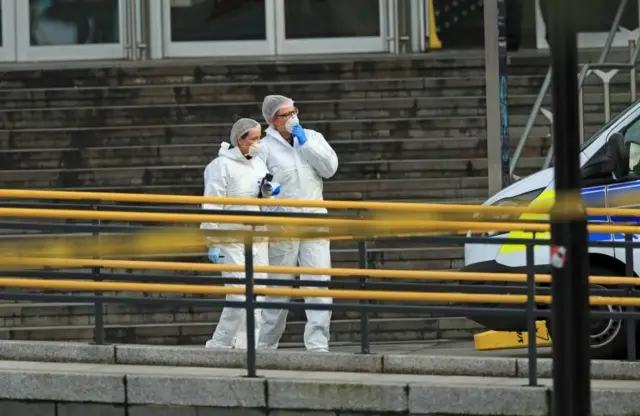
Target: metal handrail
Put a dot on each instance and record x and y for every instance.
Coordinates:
(547, 82)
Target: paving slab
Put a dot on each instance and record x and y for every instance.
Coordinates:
(281, 359)
(56, 352)
(146, 387)
(437, 358)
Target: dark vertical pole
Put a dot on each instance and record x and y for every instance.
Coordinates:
(531, 314)
(250, 308)
(98, 306)
(503, 91)
(570, 286)
(631, 322)
(364, 316)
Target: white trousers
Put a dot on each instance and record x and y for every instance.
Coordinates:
(305, 253)
(231, 331)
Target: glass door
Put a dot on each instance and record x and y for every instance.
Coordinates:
(7, 31)
(70, 29)
(594, 22)
(218, 28)
(330, 26)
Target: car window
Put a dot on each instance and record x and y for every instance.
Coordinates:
(614, 120)
(633, 130)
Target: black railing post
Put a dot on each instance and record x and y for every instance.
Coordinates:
(250, 307)
(98, 308)
(531, 314)
(631, 322)
(364, 315)
(569, 253)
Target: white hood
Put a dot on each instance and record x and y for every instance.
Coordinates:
(231, 152)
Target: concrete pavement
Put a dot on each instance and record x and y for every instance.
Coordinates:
(146, 390)
(436, 378)
(433, 347)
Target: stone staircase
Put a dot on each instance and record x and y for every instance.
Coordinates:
(404, 129)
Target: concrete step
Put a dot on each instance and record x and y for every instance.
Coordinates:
(465, 196)
(428, 189)
(357, 128)
(208, 133)
(233, 92)
(378, 128)
(192, 174)
(102, 116)
(470, 63)
(425, 65)
(99, 157)
(428, 185)
(198, 333)
(33, 314)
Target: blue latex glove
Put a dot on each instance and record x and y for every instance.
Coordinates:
(214, 254)
(298, 133)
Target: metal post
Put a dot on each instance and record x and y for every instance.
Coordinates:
(364, 316)
(570, 306)
(631, 322)
(250, 308)
(98, 306)
(632, 74)
(495, 56)
(531, 315)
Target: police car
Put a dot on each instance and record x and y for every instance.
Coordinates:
(611, 175)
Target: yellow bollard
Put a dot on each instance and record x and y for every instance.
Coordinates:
(507, 340)
(434, 41)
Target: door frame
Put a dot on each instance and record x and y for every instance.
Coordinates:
(26, 52)
(214, 48)
(371, 44)
(621, 252)
(8, 47)
(588, 39)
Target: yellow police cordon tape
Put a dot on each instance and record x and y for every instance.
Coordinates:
(394, 214)
(507, 340)
(191, 240)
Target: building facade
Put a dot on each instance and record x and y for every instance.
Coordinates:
(68, 30)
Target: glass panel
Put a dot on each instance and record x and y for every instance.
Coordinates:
(306, 19)
(74, 22)
(598, 15)
(216, 20)
(1, 40)
(460, 23)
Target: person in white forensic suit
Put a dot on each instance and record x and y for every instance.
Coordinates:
(299, 159)
(236, 173)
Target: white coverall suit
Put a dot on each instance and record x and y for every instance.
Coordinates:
(233, 175)
(299, 170)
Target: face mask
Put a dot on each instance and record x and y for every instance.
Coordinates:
(291, 123)
(255, 149)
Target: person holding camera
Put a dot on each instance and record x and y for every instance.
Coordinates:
(237, 173)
